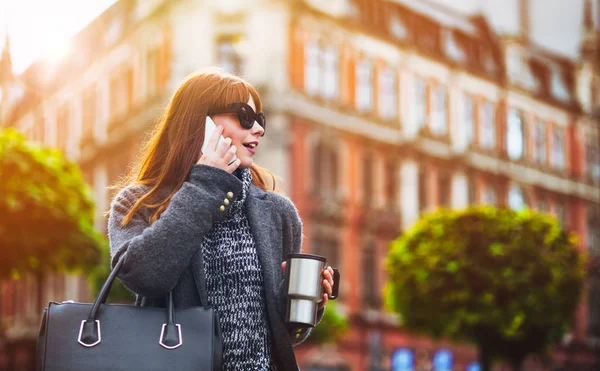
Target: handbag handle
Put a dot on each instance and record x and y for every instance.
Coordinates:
(90, 334)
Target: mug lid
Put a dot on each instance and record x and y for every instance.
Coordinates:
(308, 256)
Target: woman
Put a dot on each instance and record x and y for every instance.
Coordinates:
(186, 216)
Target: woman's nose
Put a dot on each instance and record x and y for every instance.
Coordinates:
(257, 129)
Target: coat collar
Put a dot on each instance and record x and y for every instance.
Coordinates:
(262, 218)
(257, 192)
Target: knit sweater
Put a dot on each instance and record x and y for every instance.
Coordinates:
(234, 283)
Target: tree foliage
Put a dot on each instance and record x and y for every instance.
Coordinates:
(508, 282)
(46, 210)
(98, 275)
(332, 326)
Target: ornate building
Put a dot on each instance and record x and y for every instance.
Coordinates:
(378, 111)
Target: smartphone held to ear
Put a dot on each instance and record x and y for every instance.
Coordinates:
(209, 129)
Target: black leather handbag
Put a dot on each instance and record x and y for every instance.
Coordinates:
(116, 337)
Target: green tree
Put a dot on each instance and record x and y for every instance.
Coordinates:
(98, 275)
(46, 211)
(332, 326)
(507, 282)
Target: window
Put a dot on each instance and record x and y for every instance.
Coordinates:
(121, 86)
(422, 189)
(592, 159)
(593, 229)
(330, 82)
(539, 142)
(515, 143)
(325, 168)
(420, 102)
(489, 195)
(468, 118)
(558, 149)
(542, 203)
(391, 182)
(227, 55)
(471, 191)
(487, 134)
(367, 168)
(439, 116)
(371, 297)
(364, 85)
(321, 71)
(445, 189)
(516, 200)
(388, 96)
(312, 67)
(62, 127)
(560, 212)
(326, 245)
(397, 28)
(89, 112)
(593, 246)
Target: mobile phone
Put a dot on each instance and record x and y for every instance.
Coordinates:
(209, 129)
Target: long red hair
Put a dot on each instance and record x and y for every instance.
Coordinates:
(174, 145)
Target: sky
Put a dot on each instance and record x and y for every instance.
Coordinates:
(41, 28)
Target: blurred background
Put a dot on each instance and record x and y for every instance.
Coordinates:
(378, 111)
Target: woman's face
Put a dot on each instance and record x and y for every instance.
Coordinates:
(245, 140)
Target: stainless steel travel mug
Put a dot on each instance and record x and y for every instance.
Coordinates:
(305, 288)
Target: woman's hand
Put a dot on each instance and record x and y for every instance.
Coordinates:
(219, 156)
(327, 276)
(327, 283)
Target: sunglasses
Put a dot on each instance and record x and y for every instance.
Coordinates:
(245, 113)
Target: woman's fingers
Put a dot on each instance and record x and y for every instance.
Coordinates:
(212, 143)
(323, 302)
(223, 147)
(230, 154)
(328, 287)
(234, 165)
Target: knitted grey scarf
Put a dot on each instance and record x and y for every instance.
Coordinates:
(235, 287)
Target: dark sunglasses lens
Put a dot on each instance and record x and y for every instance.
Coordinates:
(243, 117)
(262, 121)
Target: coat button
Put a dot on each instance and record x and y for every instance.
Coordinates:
(230, 195)
(222, 208)
(226, 202)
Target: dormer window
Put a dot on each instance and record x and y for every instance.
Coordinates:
(559, 90)
(452, 49)
(397, 28)
(519, 71)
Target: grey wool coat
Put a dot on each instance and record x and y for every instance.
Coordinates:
(166, 255)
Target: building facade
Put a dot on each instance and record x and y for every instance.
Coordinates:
(378, 112)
